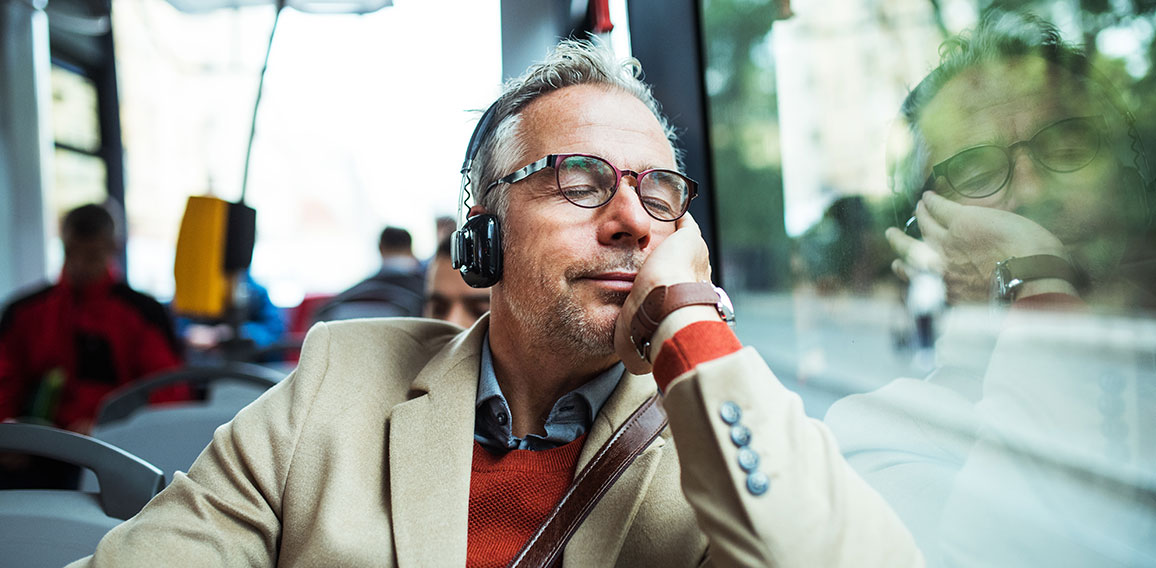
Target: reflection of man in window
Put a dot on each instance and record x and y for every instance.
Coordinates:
(1031, 441)
(65, 346)
(1018, 149)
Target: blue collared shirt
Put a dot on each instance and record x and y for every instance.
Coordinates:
(571, 416)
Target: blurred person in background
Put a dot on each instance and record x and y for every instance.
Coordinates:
(397, 289)
(446, 225)
(65, 346)
(1030, 442)
(253, 325)
(448, 297)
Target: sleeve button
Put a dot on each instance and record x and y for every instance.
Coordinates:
(730, 412)
(748, 460)
(740, 435)
(758, 483)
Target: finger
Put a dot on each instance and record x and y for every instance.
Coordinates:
(900, 242)
(915, 254)
(941, 208)
(686, 221)
(900, 270)
(933, 230)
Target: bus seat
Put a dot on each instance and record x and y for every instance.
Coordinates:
(41, 527)
(171, 436)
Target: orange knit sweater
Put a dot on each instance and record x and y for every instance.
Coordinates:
(510, 496)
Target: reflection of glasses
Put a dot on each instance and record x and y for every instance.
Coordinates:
(1063, 147)
(590, 181)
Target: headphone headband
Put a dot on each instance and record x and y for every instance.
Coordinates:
(477, 244)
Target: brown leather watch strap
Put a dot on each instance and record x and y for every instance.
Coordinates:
(545, 547)
(1042, 266)
(660, 302)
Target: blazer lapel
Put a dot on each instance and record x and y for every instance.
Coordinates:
(600, 536)
(430, 456)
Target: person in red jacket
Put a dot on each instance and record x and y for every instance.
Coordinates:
(67, 345)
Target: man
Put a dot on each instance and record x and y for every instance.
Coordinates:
(65, 346)
(1033, 154)
(447, 296)
(396, 290)
(1024, 446)
(412, 443)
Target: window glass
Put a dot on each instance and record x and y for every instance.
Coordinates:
(74, 112)
(79, 173)
(79, 179)
(991, 372)
(360, 126)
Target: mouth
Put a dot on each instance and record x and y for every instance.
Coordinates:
(615, 281)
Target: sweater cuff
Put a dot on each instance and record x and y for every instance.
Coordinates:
(696, 343)
(1026, 310)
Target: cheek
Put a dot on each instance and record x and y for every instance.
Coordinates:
(1091, 189)
(660, 230)
(998, 201)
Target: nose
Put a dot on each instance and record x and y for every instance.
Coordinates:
(460, 315)
(623, 221)
(1027, 185)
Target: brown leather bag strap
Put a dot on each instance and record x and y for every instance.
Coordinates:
(545, 547)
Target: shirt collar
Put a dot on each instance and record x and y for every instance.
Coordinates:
(97, 286)
(571, 416)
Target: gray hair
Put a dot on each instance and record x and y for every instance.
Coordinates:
(999, 36)
(572, 62)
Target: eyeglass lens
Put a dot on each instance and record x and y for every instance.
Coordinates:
(587, 181)
(1064, 147)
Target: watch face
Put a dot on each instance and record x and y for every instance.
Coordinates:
(1004, 284)
(999, 282)
(725, 308)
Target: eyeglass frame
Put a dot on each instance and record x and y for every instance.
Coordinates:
(940, 170)
(550, 160)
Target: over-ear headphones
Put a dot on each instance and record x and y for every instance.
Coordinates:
(477, 245)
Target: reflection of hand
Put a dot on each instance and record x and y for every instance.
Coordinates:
(964, 242)
(682, 257)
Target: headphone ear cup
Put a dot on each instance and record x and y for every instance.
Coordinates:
(477, 251)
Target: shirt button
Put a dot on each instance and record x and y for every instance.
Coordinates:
(502, 418)
(740, 435)
(758, 483)
(730, 412)
(748, 460)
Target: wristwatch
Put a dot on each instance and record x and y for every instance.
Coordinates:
(1010, 274)
(663, 300)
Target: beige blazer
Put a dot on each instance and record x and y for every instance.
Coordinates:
(362, 458)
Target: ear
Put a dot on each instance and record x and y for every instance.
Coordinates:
(476, 210)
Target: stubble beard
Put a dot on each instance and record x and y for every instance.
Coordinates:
(561, 321)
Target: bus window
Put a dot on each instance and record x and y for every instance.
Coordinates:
(358, 127)
(79, 172)
(988, 362)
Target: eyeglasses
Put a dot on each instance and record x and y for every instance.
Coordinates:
(1063, 147)
(590, 182)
